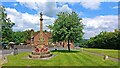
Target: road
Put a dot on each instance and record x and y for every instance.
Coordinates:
(0, 54)
(5, 52)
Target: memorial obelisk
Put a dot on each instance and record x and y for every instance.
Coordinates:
(40, 51)
(41, 31)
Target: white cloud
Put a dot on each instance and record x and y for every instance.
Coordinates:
(94, 26)
(27, 29)
(61, 3)
(90, 4)
(119, 22)
(32, 5)
(48, 8)
(24, 21)
(42, 1)
(57, 0)
(64, 8)
(15, 4)
(80, 14)
(115, 7)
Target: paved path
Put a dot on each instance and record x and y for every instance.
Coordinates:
(1, 61)
(114, 59)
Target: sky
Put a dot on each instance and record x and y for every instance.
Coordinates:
(97, 16)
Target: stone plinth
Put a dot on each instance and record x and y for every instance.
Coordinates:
(42, 52)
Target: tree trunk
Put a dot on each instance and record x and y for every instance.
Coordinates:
(63, 44)
(68, 45)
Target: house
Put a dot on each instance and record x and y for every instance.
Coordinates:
(35, 40)
(65, 44)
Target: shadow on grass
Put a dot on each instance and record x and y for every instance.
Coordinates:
(65, 51)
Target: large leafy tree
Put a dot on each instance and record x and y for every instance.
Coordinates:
(67, 27)
(21, 37)
(108, 40)
(6, 25)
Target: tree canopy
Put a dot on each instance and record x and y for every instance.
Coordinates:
(6, 30)
(67, 27)
(21, 36)
(108, 40)
(6, 26)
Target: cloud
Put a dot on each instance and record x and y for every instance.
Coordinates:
(80, 14)
(64, 8)
(119, 22)
(94, 26)
(57, 0)
(115, 7)
(33, 5)
(61, 3)
(48, 8)
(90, 4)
(25, 21)
(15, 4)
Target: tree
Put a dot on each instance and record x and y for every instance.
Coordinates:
(49, 27)
(108, 40)
(67, 27)
(21, 36)
(6, 25)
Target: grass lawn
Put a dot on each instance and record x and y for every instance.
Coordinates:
(62, 58)
(1, 61)
(109, 52)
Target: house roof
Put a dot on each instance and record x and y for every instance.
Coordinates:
(48, 34)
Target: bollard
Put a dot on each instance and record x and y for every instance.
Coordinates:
(55, 49)
(15, 51)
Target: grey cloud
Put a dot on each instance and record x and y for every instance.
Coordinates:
(48, 8)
